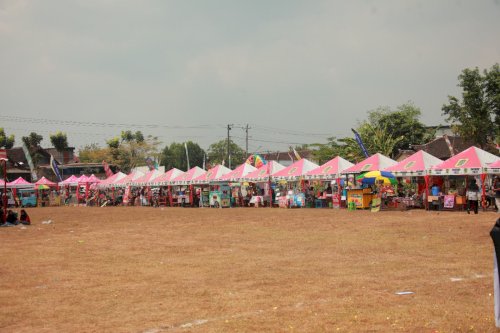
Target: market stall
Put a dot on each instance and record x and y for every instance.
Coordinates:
(413, 170)
(235, 181)
(327, 175)
(469, 164)
(297, 190)
(47, 194)
(361, 195)
(163, 182)
(219, 192)
(180, 190)
(257, 181)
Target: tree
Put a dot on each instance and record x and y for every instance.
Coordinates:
(217, 153)
(472, 117)
(59, 140)
(6, 142)
(174, 156)
(93, 153)
(32, 142)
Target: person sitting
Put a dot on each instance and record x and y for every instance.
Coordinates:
(24, 218)
(11, 219)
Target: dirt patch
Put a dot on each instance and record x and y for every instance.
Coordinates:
(132, 269)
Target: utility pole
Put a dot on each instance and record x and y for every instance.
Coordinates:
(229, 126)
(246, 141)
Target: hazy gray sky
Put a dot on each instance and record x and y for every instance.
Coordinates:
(290, 69)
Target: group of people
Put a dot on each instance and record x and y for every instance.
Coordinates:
(13, 219)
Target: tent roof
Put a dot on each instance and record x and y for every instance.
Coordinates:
(20, 183)
(212, 174)
(128, 179)
(72, 180)
(238, 173)
(189, 175)
(116, 177)
(373, 163)
(262, 173)
(150, 175)
(297, 169)
(330, 169)
(45, 181)
(93, 179)
(471, 161)
(417, 164)
(163, 179)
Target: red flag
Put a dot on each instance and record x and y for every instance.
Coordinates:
(107, 170)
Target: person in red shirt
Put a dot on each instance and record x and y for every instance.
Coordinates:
(24, 218)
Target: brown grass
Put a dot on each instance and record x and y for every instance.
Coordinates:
(246, 270)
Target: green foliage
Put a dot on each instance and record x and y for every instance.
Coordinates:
(174, 156)
(6, 142)
(127, 151)
(386, 131)
(217, 152)
(472, 117)
(33, 140)
(59, 140)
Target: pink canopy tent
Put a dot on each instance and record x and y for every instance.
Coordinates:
(93, 179)
(212, 174)
(262, 174)
(188, 176)
(493, 168)
(167, 177)
(329, 170)
(472, 161)
(295, 171)
(20, 183)
(114, 178)
(237, 174)
(45, 181)
(2, 182)
(125, 181)
(417, 164)
(147, 178)
(72, 181)
(372, 163)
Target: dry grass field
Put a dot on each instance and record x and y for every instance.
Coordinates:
(132, 269)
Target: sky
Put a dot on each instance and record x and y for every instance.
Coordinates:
(296, 71)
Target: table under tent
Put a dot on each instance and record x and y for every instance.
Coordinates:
(255, 184)
(142, 186)
(219, 193)
(180, 191)
(161, 186)
(107, 186)
(413, 171)
(326, 181)
(456, 175)
(229, 186)
(293, 188)
(358, 195)
(127, 195)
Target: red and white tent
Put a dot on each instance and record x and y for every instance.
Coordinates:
(472, 161)
(212, 174)
(417, 164)
(167, 177)
(147, 178)
(373, 163)
(329, 170)
(93, 179)
(20, 183)
(111, 179)
(128, 179)
(493, 168)
(45, 181)
(72, 181)
(295, 171)
(188, 176)
(262, 174)
(237, 174)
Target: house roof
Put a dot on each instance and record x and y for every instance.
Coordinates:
(439, 148)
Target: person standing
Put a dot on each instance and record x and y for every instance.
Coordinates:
(473, 197)
(496, 188)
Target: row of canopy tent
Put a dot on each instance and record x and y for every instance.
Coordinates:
(472, 161)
